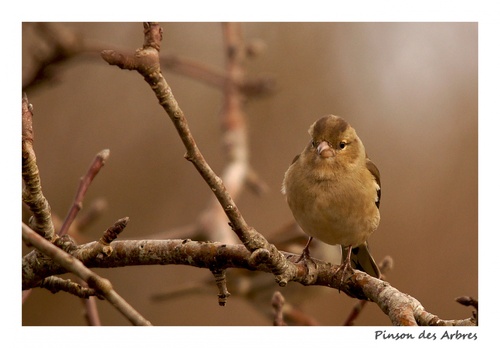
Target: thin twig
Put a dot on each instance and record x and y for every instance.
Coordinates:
(297, 316)
(55, 284)
(250, 87)
(112, 233)
(84, 220)
(193, 69)
(278, 302)
(88, 216)
(101, 285)
(470, 301)
(213, 221)
(220, 281)
(85, 182)
(146, 62)
(91, 313)
(58, 44)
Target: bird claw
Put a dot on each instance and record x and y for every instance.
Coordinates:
(346, 265)
(309, 264)
(304, 257)
(305, 253)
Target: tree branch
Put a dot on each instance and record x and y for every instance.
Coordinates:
(278, 302)
(146, 62)
(401, 308)
(256, 253)
(85, 182)
(33, 197)
(56, 284)
(212, 222)
(385, 266)
(58, 44)
(101, 285)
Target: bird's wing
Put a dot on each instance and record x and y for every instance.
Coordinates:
(376, 174)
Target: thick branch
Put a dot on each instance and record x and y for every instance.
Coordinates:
(33, 197)
(101, 285)
(401, 308)
(385, 265)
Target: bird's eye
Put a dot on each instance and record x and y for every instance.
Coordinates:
(343, 144)
(313, 143)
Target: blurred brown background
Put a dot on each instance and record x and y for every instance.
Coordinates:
(409, 89)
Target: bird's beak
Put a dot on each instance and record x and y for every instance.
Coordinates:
(324, 150)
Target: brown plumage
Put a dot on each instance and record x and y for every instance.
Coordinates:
(333, 190)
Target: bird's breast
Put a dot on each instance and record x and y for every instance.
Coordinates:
(335, 210)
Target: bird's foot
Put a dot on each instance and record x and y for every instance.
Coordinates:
(305, 256)
(344, 266)
(305, 253)
(310, 265)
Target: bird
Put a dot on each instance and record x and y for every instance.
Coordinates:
(333, 190)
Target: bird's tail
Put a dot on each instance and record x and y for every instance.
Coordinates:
(362, 260)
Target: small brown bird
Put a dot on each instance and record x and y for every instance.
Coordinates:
(333, 191)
